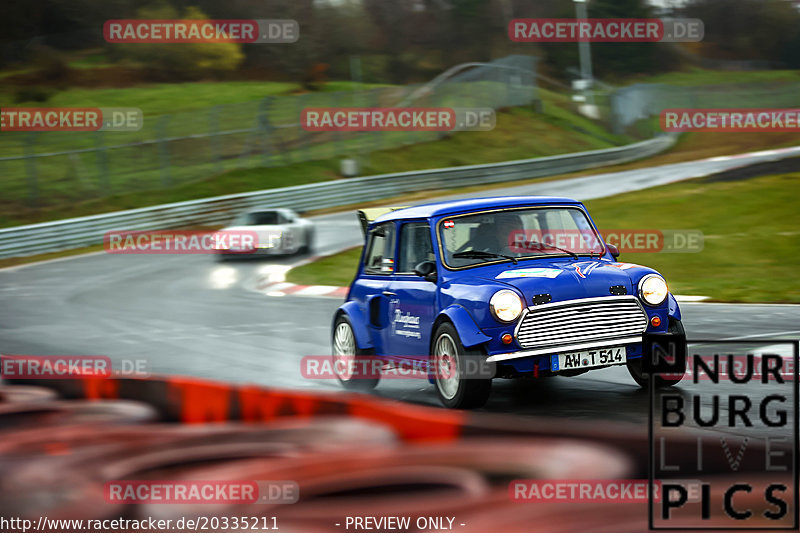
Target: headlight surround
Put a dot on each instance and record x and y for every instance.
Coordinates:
(506, 306)
(653, 289)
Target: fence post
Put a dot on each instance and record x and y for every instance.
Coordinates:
(285, 143)
(411, 135)
(216, 148)
(265, 129)
(379, 139)
(615, 108)
(337, 135)
(163, 150)
(304, 138)
(440, 100)
(102, 163)
(30, 165)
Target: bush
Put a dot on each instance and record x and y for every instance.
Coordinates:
(183, 61)
(32, 94)
(49, 64)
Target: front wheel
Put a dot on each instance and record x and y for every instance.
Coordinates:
(635, 365)
(349, 361)
(458, 384)
(308, 247)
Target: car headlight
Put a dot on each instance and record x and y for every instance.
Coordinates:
(653, 289)
(506, 305)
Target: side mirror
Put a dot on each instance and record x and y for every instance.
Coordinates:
(613, 250)
(427, 270)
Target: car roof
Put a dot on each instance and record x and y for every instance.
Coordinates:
(472, 204)
(267, 210)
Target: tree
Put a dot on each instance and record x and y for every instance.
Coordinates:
(181, 61)
(612, 59)
(747, 29)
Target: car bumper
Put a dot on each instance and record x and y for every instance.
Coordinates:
(496, 358)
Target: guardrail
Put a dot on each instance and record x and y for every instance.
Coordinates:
(85, 231)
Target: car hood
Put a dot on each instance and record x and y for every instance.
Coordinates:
(569, 280)
(264, 230)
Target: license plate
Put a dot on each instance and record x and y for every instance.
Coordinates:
(588, 358)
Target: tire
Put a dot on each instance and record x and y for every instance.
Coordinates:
(635, 365)
(308, 247)
(448, 353)
(344, 347)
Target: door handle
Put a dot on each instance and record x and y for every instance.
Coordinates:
(389, 293)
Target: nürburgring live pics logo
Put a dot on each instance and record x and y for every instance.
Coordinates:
(741, 426)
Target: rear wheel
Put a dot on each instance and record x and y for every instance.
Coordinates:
(308, 247)
(348, 360)
(635, 365)
(457, 384)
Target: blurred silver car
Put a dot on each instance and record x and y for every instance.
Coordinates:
(279, 232)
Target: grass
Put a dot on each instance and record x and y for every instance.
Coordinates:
(751, 238)
(337, 269)
(166, 98)
(700, 76)
(73, 185)
(159, 99)
(689, 147)
(520, 133)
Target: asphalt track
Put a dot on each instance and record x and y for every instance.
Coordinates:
(189, 315)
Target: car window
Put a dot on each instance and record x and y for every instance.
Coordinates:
(516, 233)
(379, 258)
(262, 218)
(415, 246)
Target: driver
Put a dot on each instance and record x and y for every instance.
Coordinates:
(498, 235)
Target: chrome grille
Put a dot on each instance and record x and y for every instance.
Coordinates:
(581, 321)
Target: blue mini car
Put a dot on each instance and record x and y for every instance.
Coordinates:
(503, 287)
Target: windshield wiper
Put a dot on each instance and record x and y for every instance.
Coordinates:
(477, 254)
(534, 243)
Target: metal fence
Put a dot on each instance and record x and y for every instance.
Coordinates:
(181, 148)
(639, 102)
(78, 232)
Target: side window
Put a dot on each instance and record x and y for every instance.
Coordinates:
(380, 254)
(415, 246)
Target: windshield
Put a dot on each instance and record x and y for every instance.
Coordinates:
(509, 235)
(261, 218)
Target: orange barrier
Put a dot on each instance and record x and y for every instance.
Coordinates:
(349, 454)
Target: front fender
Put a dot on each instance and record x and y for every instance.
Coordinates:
(672, 307)
(468, 330)
(359, 321)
